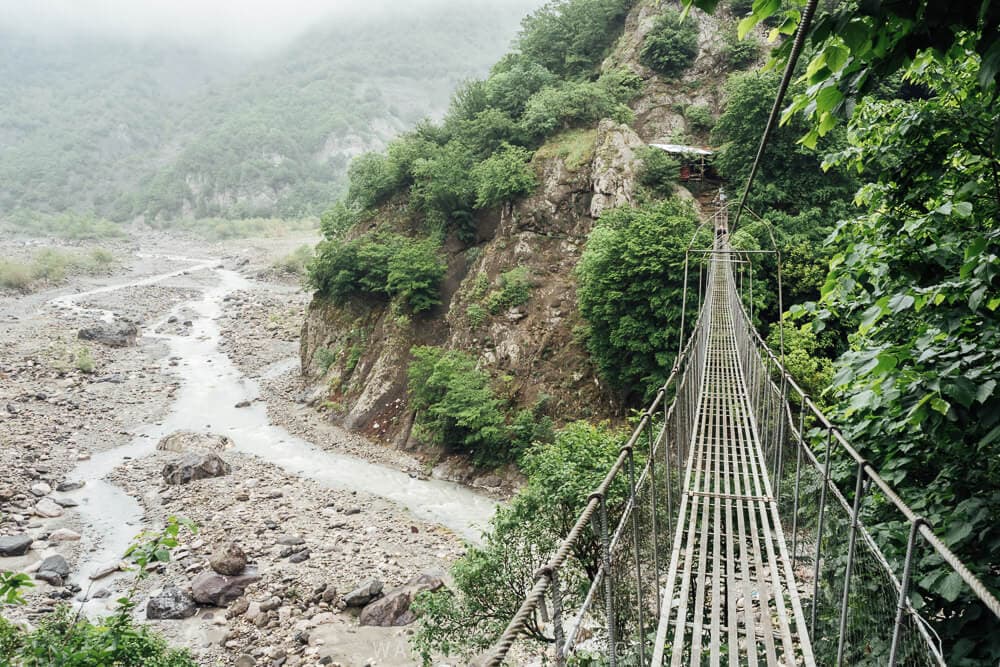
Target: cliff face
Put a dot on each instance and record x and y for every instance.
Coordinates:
(534, 349)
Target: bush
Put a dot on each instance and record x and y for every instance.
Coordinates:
(84, 361)
(295, 262)
(514, 289)
(444, 188)
(699, 118)
(490, 580)
(325, 358)
(630, 288)
(477, 315)
(659, 171)
(560, 107)
(454, 403)
(671, 46)
(504, 176)
(570, 37)
(372, 180)
(381, 264)
(338, 219)
(739, 53)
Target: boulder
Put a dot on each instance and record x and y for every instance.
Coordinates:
(48, 508)
(195, 466)
(55, 564)
(114, 334)
(218, 589)
(364, 593)
(185, 442)
(14, 545)
(230, 560)
(40, 489)
(49, 577)
(172, 603)
(394, 609)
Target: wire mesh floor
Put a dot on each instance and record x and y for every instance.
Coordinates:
(730, 595)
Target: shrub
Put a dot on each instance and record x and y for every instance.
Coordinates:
(671, 46)
(443, 186)
(454, 403)
(572, 103)
(15, 275)
(296, 261)
(325, 358)
(570, 37)
(699, 118)
(630, 285)
(84, 361)
(338, 219)
(659, 170)
(477, 315)
(372, 180)
(514, 289)
(504, 176)
(738, 53)
(381, 264)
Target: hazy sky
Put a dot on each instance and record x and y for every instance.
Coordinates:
(233, 24)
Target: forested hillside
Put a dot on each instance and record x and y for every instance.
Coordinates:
(159, 130)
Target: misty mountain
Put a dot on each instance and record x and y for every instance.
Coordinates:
(126, 129)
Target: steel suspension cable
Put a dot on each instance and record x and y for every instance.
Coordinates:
(772, 120)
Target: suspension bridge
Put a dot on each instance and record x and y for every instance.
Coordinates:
(722, 534)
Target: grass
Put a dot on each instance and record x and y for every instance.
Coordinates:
(575, 147)
(221, 229)
(74, 226)
(51, 265)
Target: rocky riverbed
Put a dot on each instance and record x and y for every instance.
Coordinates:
(311, 541)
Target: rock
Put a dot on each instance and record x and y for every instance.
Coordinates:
(55, 564)
(614, 171)
(245, 660)
(14, 545)
(218, 589)
(238, 608)
(41, 489)
(115, 334)
(229, 560)
(50, 577)
(195, 466)
(65, 487)
(64, 535)
(242, 404)
(364, 593)
(299, 556)
(48, 508)
(184, 442)
(101, 593)
(104, 570)
(290, 540)
(172, 604)
(329, 593)
(65, 502)
(394, 609)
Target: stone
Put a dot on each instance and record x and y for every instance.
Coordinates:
(114, 334)
(101, 593)
(242, 404)
(245, 660)
(171, 604)
(40, 489)
(299, 556)
(55, 564)
(229, 560)
(218, 589)
(50, 577)
(186, 442)
(290, 540)
(104, 570)
(48, 508)
(194, 467)
(364, 593)
(65, 487)
(64, 535)
(394, 609)
(14, 545)
(329, 593)
(65, 502)
(238, 608)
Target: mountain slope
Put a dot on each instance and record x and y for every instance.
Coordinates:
(163, 131)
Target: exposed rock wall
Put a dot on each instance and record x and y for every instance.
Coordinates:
(534, 349)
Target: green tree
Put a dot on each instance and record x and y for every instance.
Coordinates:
(671, 46)
(918, 276)
(490, 580)
(444, 188)
(630, 279)
(570, 37)
(504, 176)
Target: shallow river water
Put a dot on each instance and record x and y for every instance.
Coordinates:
(210, 386)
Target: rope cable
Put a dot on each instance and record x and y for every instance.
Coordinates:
(786, 79)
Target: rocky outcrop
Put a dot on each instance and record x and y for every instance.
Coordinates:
(394, 609)
(194, 467)
(114, 334)
(615, 168)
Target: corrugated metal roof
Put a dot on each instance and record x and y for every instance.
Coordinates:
(685, 150)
